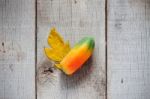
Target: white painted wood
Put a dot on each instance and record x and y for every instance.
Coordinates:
(128, 49)
(17, 58)
(74, 19)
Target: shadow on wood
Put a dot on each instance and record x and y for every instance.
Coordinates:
(79, 77)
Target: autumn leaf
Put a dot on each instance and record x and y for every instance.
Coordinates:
(58, 47)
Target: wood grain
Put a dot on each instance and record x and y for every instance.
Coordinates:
(128, 49)
(74, 19)
(17, 58)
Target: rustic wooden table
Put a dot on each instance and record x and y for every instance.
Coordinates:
(118, 69)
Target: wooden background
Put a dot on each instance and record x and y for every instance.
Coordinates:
(118, 69)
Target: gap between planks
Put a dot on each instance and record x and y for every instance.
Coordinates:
(106, 40)
(35, 49)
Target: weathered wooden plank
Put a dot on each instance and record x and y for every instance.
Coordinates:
(74, 19)
(17, 58)
(128, 49)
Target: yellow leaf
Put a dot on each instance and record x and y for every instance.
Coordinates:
(52, 54)
(58, 49)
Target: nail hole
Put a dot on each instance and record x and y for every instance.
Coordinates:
(2, 43)
(75, 1)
